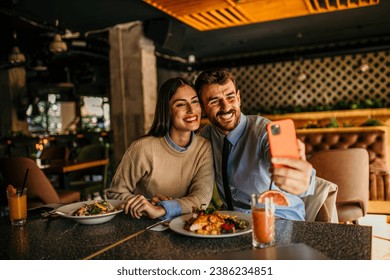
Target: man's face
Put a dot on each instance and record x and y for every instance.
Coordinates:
(221, 103)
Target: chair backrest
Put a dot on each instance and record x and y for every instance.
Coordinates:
(38, 185)
(54, 152)
(22, 147)
(88, 153)
(3, 149)
(92, 152)
(349, 170)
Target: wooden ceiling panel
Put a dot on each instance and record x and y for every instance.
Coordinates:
(261, 11)
(215, 14)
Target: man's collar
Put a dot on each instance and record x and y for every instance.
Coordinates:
(236, 133)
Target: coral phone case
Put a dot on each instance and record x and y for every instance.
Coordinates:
(282, 139)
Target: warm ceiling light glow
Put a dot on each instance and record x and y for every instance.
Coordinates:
(215, 14)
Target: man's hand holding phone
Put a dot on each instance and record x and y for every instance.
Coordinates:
(290, 171)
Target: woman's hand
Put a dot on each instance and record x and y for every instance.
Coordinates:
(139, 206)
(294, 175)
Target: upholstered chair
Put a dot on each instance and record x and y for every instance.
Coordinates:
(349, 170)
(40, 191)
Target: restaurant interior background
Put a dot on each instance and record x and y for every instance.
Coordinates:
(88, 72)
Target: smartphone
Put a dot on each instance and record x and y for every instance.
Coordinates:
(282, 139)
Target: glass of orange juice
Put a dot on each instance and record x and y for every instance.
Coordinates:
(263, 221)
(17, 204)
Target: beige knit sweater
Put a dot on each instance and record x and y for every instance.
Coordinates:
(151, 166)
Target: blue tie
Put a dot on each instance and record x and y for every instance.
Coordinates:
(225, 157)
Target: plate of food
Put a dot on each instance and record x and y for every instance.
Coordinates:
(91, 212)
(215, 224)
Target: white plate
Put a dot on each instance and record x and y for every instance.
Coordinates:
(67, 211)
(177, 225)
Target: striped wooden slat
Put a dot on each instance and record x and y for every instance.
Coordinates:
(316, 5)
(191, 21)
(310, 7)
(327, 4)
(218, 16)
(231, 16)
(221, 20)
(204, 25)
(212, 21)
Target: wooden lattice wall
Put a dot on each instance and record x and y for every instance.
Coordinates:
(329, 80)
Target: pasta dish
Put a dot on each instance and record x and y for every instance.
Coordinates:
(96, 208)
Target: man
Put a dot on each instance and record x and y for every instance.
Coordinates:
(248, 165)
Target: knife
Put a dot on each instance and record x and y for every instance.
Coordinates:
(158, 223)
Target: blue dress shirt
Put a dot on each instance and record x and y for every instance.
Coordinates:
(248, 166)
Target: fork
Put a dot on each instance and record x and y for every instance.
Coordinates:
(52, 213)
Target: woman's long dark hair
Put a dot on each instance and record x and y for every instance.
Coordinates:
(162, 115)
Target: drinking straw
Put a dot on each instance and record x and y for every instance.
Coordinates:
(24, 181)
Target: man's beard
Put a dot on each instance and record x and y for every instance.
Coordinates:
(229, 127)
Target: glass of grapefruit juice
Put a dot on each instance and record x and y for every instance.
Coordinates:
(17, 204)
(263, 221)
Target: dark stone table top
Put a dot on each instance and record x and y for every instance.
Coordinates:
(60, 239)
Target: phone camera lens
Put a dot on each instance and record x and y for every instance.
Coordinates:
(275, 129)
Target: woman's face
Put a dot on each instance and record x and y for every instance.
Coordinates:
(185, 110)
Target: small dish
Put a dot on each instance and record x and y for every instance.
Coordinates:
(66, 211)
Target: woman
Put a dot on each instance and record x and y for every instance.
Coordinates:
(170, 170)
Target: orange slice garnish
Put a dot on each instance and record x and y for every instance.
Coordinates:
(279, 198)
(11, 190)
